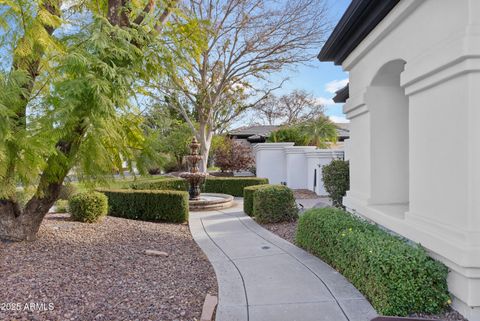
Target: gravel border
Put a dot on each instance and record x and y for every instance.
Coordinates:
(101, 272)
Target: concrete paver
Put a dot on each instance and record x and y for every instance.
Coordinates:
(262, 277)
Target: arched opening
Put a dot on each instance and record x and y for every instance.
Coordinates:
(388, 107)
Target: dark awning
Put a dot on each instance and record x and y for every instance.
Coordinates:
(356, 23)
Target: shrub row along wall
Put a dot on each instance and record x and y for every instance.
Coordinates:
(148, 205)
(396, 277)
(227, 185)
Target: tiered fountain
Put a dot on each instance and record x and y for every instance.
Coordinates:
(195, 178)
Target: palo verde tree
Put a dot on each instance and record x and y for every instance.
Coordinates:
(67, 95)
(246, 41)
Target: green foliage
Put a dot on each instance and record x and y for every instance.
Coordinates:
(336, 179)
(88, 207)
(147, 205)
(314, 132)
(61, 206)
(290, 134)
(67, 191)
(248, 193)
(231, 185)
(163, 183)
(169, 138)
(227, 185)
(274, 203)
(396, 277)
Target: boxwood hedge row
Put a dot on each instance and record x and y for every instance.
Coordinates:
(231, 185)
(396, 277)
(226, 185)
(148, 205)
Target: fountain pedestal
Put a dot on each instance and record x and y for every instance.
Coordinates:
(202, 201)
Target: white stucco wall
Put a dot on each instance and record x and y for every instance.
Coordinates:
(414, 145)
(294, 165)
(270, 161)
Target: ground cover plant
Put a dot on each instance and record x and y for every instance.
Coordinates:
(396, 277)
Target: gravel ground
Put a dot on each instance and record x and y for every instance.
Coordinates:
(287, 232)
(100, 272)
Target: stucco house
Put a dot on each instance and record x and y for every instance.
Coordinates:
(414, 105)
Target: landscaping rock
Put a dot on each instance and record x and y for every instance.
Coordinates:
(100, 272)
(156, 253)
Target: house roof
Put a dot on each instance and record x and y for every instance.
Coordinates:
(341, 95)
(258, 130)
(343, 129)
(356, 23)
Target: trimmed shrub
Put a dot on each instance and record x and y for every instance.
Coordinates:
(148, 205)
(248, 198)
(336, 179)
(161, 183)
(274, 203)
(67, 191)
(88, 207)
(227, 185)
(396, 277)
(231, 185)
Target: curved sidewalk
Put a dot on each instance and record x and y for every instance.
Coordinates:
(262, 277)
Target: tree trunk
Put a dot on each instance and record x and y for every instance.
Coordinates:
(204, 136)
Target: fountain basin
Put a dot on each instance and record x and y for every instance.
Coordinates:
(211, 201)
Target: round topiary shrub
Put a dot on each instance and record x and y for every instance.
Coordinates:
(336, 179)
(274, 203)
(88, 207)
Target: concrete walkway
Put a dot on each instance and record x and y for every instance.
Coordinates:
(262, 277)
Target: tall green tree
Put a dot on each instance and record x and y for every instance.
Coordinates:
(67, 94)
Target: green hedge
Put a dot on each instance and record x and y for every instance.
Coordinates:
(145, 205)
(231, 185)
(274, 203)
(397, 278)
(226, 185)
(88, 207)
(248, 198)
(173, 184)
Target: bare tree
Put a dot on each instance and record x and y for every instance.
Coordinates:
(293, 108)
(267, 111)
(299, 106)
(245, 42)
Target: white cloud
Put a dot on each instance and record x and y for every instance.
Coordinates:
(324, 101)
(335, 85)
(339, 119)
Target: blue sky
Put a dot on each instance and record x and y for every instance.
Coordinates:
(322, 79)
